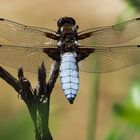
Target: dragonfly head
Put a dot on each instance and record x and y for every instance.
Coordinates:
(66, 21)
(67, 25)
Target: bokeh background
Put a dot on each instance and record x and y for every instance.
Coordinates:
(70, 122)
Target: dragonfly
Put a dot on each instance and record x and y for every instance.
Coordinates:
(94, 50)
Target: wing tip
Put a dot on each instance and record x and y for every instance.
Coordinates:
(2, 19)
(138, 18)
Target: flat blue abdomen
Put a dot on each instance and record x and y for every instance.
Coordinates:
(69, 75)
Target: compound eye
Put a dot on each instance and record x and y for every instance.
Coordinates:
(60, 22)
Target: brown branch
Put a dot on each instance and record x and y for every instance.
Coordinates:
(53, 77)
(11, 80)
(37, 100)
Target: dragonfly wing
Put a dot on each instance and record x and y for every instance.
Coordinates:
(19, 34)
(110, 59)
(30, 58)
(111, 35)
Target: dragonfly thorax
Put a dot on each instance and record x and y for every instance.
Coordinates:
(68, 37)
(67, 45)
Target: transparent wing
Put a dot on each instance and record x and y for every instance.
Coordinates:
(28, 57)
(20, 34)
(111, 35)
(110, 59)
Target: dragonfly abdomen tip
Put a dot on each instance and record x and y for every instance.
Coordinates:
(71, 99)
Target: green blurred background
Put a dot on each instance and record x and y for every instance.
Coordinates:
(67, 122)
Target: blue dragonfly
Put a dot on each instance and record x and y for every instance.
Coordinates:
(98, 50)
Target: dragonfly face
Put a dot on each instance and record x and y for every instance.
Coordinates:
(66, 20)
(97, 50)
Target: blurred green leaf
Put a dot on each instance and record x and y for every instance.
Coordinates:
(119, 133)
(112, 135)
(135, 4)
(129, 111)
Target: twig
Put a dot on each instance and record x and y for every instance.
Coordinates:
(9, 79)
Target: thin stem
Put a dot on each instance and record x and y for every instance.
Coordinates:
(93, 111)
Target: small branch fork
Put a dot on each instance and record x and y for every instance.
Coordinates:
(38, 99)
